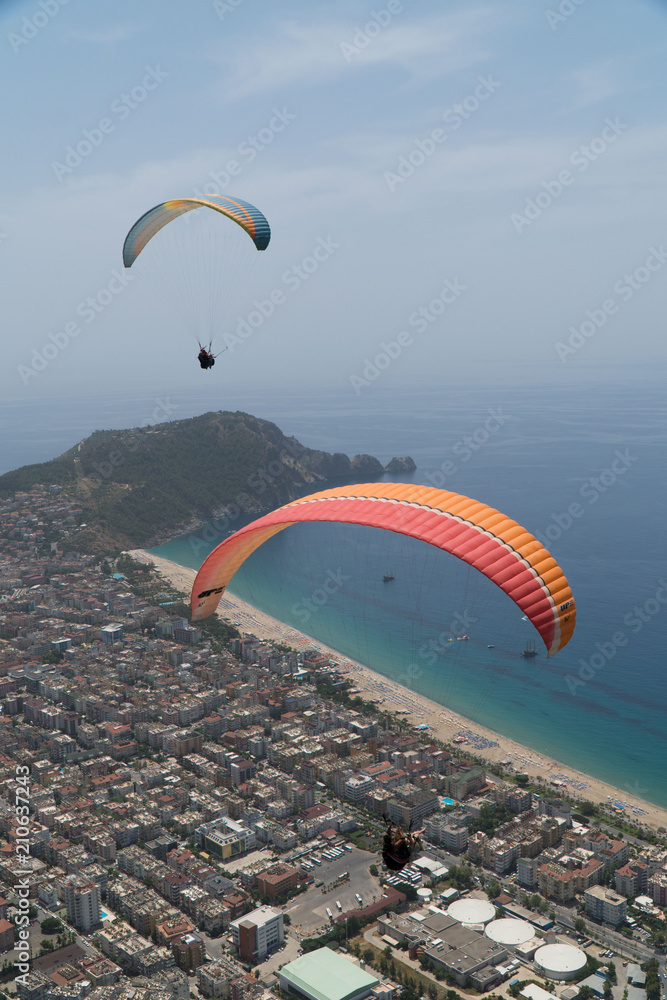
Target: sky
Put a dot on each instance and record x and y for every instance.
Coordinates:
(452, 187)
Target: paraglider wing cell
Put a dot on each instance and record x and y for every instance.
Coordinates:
(480, 536)
(242, 212)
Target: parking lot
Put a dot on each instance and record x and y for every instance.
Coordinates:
(309, 911)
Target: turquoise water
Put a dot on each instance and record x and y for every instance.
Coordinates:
(585, 469)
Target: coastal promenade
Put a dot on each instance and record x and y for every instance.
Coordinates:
(416, 709)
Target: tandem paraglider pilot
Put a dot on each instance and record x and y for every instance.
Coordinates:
(205, 358)
(398, 848)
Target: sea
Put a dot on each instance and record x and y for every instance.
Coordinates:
(580, 465)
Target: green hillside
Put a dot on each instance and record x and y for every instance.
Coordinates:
(140, 486)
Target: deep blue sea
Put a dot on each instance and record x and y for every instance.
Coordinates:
(583, 467)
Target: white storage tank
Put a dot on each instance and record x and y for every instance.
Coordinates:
(560, 961)
(510, 931)
(472, 911)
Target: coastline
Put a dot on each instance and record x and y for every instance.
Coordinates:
(443, 723)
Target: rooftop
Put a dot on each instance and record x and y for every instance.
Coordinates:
(325, 975)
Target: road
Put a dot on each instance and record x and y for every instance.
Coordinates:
(626, 947)
(308, 911)
(36, 935)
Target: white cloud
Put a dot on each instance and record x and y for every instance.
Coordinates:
(593, 84)
(301, 53)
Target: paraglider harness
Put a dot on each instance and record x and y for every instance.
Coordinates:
(205, 358)
(396, 854)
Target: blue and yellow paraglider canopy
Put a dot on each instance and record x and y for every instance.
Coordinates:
(243, 213)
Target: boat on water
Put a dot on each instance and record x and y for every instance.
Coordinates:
(530, 650)
(388, 577)
(490, 646)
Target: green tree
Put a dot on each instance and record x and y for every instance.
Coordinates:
(652, 970)
(51, 925)
(489, 819)
(493, 888)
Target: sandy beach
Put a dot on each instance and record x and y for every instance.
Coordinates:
(442, 722)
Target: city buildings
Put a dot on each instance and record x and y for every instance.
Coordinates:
(82, 899)
(606, 905)
(159, 764)
(258, 933)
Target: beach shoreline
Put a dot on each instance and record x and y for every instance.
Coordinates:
(443, 723)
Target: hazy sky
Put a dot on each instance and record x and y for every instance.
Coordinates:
(448, 184)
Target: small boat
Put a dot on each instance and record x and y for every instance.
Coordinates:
(388, 577)
(490, 646)
(530, 650)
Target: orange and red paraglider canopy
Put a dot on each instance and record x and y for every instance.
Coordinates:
(484, 538)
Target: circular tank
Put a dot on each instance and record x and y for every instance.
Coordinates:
(424, 894)
(510, 932)
(472, 911)
(559, 961)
